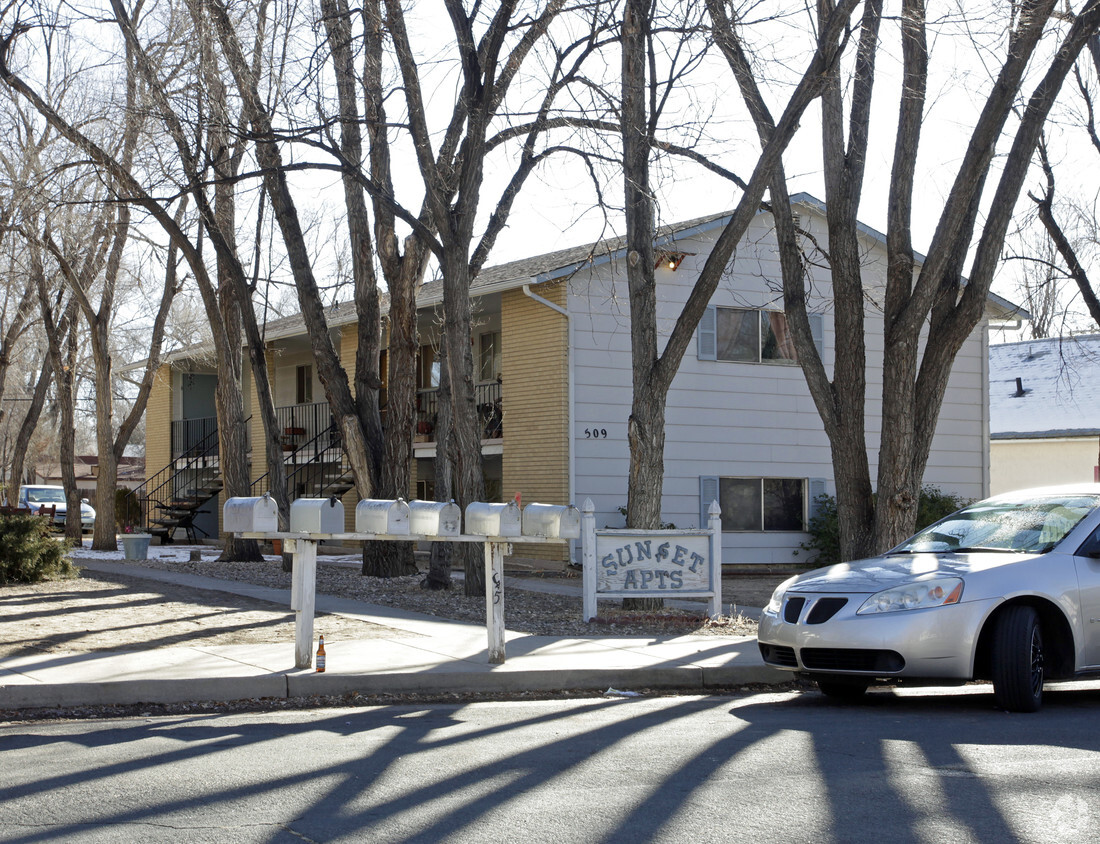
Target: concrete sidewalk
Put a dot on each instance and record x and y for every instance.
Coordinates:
(445, 657)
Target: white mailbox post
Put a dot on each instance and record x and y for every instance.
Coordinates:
(309, 516)
(314, 520)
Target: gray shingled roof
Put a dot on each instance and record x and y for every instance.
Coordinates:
(1060, 381)
(564, 262)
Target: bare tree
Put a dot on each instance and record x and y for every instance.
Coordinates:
(221, 299)
(654, 370)
(492, 46)
(931, 302)
(1074, 263)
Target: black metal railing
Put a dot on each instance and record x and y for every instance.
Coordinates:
(179, 478)
(489, 411)
(313, 467)
(300, 424)
(192, 436)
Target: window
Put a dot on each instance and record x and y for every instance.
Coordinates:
(760, 504)
(427, 369)
(754, 336)
(304, 384)
(489, 356)
(749, 335)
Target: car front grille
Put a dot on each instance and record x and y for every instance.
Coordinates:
(852, 659)
(792, 609)
(778, 655)
(824, 609)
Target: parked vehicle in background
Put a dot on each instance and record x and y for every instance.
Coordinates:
(35, 497)
(1007, 589)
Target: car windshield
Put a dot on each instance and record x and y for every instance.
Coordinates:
(1029, 526)
(44, 495)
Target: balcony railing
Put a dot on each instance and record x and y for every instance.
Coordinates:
(300, 424)
(192, 436)
(303, 424)
(489, 412)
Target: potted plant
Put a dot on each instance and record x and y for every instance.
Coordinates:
(135, 545)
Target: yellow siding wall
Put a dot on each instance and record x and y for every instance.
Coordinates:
(348, 342)
(158, 423)
(258, 463)
(535, 347)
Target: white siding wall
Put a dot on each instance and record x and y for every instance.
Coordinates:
(738, 419)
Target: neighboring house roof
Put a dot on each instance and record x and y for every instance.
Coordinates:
(131, 470)
(562, 264)
(1058, 391)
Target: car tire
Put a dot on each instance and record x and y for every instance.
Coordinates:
(842, 690)
(1017, 660)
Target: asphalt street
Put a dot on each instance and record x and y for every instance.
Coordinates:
(918, 766)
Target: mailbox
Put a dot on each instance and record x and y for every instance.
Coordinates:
(493, 519)
(433, 518)
(251, 515)
(374, 515)
(317, 515)
(552, 521)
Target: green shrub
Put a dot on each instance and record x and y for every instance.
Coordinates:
(824, 530)
(824, 526)
(127, 510)
(934, 504)
(29, 553)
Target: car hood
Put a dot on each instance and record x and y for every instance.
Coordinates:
(878, 573)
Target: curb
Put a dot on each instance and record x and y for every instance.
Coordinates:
(309, 683)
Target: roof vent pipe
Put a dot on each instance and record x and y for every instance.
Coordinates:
(1019, 387)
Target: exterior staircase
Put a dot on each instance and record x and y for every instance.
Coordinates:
(315, 469)
(179, 512)
(173, 498)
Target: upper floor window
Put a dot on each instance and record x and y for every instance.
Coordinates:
(427, 369)
(754, 336)
(750, 335)
(489, 357)
(304, 384)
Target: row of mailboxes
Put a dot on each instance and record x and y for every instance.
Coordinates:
(401, 518)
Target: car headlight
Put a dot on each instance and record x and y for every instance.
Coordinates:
(777, 596)
(915, 596)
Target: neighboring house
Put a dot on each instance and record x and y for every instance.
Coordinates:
(1044, 412)
(131, 473)
(552, 348)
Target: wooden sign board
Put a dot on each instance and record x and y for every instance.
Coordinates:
(652, 564)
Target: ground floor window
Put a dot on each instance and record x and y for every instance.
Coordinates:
(762, 504)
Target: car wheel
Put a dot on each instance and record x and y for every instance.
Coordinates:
(841, 689)
(1018, 660)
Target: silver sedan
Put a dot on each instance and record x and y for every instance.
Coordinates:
(1007, 589)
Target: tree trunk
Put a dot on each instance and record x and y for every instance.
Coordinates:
(470, 482)
(27, 429)
(67, 400)
(439, 566)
